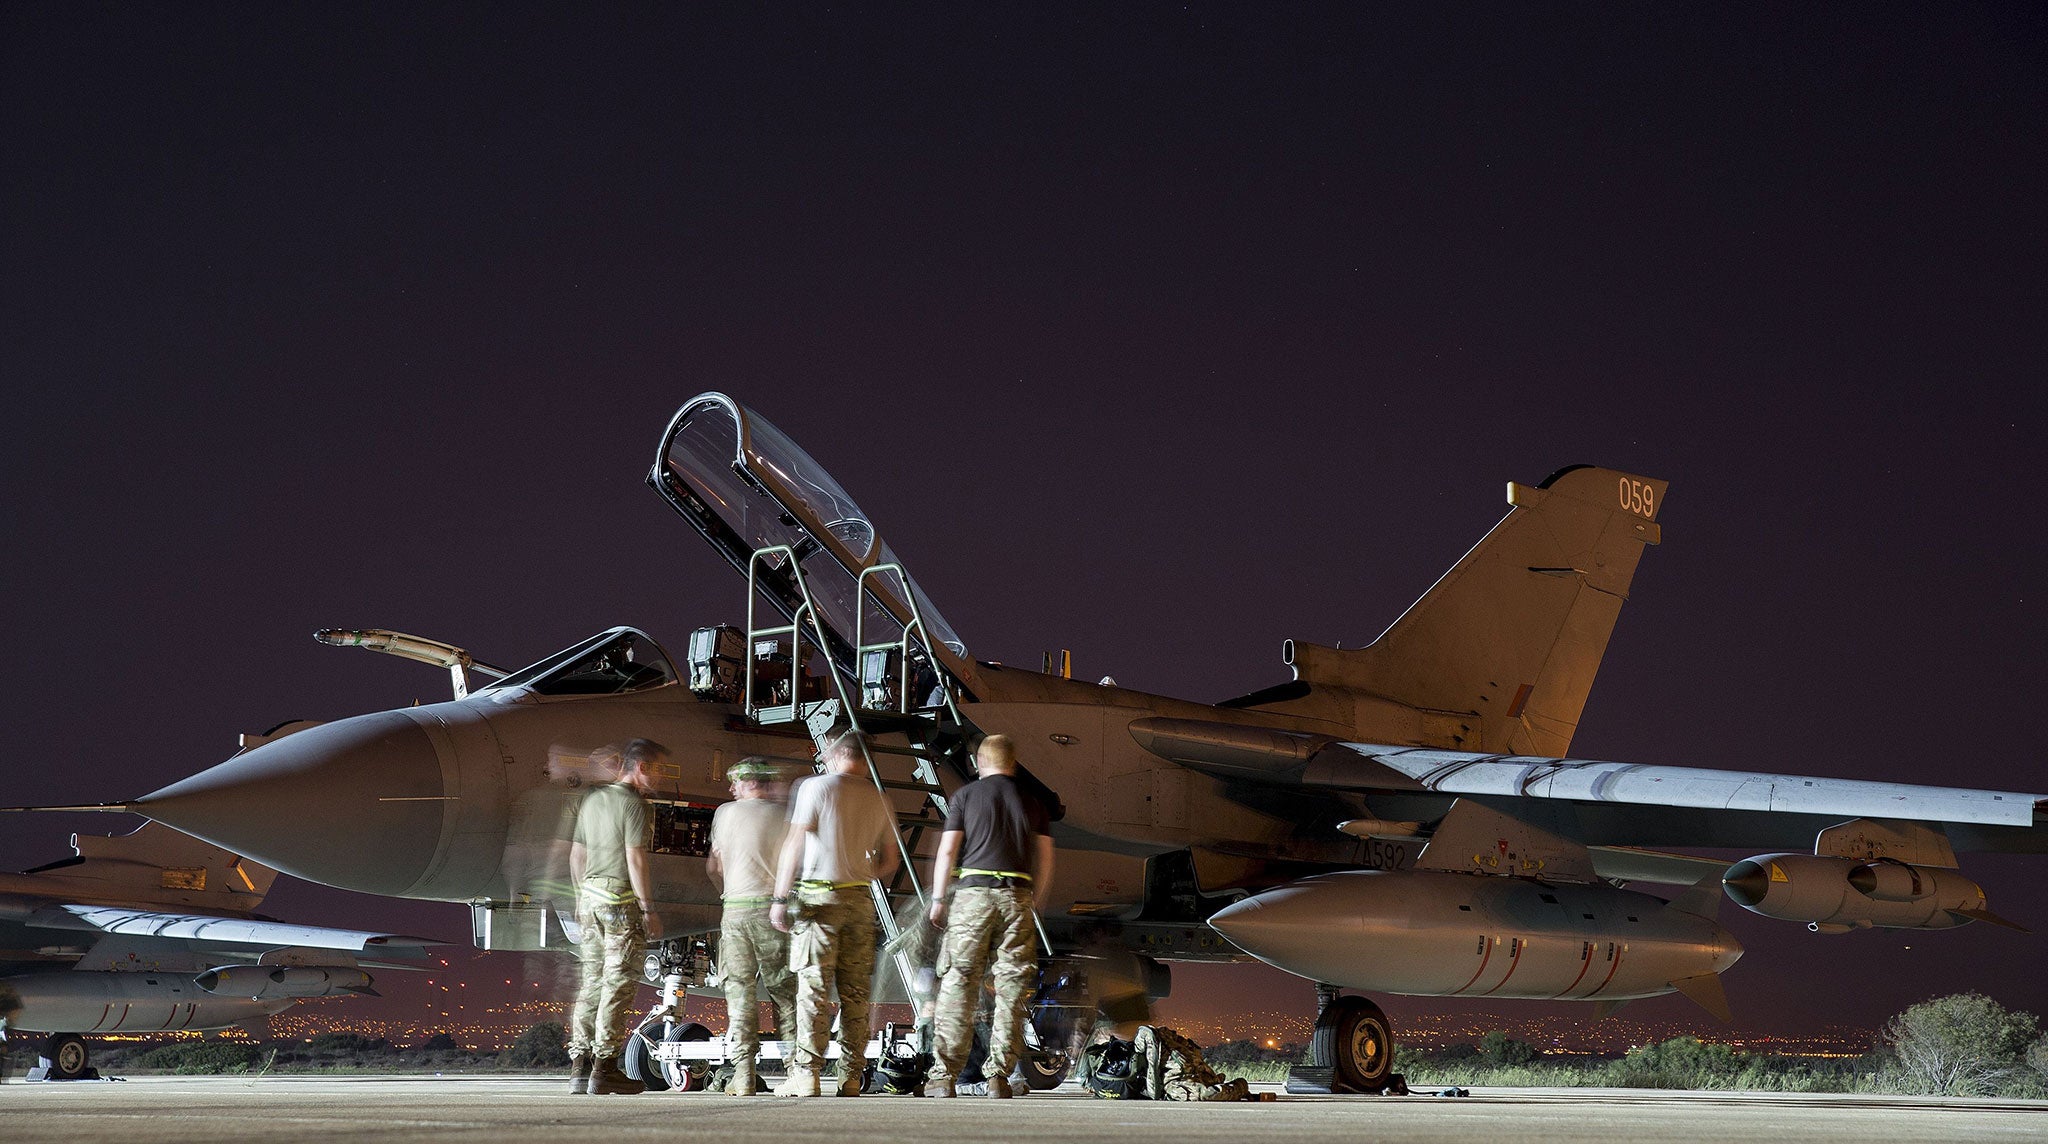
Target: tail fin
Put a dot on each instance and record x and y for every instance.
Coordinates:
(157, 865)
(1507, 643)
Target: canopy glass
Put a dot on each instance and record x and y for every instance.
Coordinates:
(746, 486)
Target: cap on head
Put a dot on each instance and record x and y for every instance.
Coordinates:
(753, 769)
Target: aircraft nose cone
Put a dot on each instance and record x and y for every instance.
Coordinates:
(355, 804)
(1746, 882)
(1283, 927)
(1727, 951)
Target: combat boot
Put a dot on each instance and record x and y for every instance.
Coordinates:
(851, 1083)
(579, 1073)
(942, 1087)
(999, 1087)
(606, 1078)
(800, 1082)
(744, 1081)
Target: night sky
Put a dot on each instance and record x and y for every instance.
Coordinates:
(1158, 333)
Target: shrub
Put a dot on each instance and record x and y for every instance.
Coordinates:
(1964, 1044)
(347, 1043)
(197, 1058)
(540, 1046)
(439, 1043)
(1681, 1062)
(1501, 1049)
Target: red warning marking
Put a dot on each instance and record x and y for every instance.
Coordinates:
(1585, 963)
(1513, 964)
(1475, 973)
(1610, 973)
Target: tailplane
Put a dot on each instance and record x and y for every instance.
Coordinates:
(157, 865)
(1500, 654)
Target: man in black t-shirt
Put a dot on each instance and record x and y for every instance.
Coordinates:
(996, 857)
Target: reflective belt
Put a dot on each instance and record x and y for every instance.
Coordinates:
(821, 884)
(992, 874)
(745, 903)
(618, 891)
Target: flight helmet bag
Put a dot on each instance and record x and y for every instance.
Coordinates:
(1111, 1070)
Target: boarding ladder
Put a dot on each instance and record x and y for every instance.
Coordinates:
(777, 690)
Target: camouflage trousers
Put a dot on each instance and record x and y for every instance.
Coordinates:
(613, 943)
(749, 948)
(989, 934)
(832, 951)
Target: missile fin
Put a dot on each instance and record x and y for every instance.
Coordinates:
(1706, 992)
(1605, 1009)
(1703, 900)
(1476, 839)
(1988, 916)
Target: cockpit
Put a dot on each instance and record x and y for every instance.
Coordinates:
(609, 663)
(751, 490)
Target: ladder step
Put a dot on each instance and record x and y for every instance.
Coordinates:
(891, 749)
(894, 784)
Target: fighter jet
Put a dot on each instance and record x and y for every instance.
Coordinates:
(156, 931)
(1402, 817)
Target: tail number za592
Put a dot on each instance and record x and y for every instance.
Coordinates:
(1638, 497)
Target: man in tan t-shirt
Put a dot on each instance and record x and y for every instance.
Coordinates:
(615, 913)
(746, 841)
(842, 836)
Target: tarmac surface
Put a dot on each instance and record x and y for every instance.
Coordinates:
(218, 1110)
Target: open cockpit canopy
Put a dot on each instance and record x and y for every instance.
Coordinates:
(746, 486)
(611, 662)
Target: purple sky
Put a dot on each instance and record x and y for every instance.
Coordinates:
(1159, 333)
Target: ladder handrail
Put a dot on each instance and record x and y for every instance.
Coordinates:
(927, 774)
(914, 625)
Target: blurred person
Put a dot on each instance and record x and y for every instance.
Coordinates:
(615, 916)
(746, 842)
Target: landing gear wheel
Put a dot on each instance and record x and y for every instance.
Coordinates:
(637, 1062)
(1353, 1036)
(1044, 1070)
(67, 1055)
(683, 1076)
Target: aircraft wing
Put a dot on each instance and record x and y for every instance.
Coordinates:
(1276, 757)
(236, 933)
(1588, 780)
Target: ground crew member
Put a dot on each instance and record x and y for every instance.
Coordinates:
(746, 842)
(996, 856)
(615, 912)
(842, 837)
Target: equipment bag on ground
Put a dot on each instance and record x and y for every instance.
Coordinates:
(1159, 1064)
(1109, 1069)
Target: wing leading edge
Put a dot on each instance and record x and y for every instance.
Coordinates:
(1641, 784)
(1286, 758)
(226, 932)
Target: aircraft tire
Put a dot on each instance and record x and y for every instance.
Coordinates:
(1045, 1071)
(639, 1064)
(1353, 1035)
(67, 1055)
(688, 1076)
